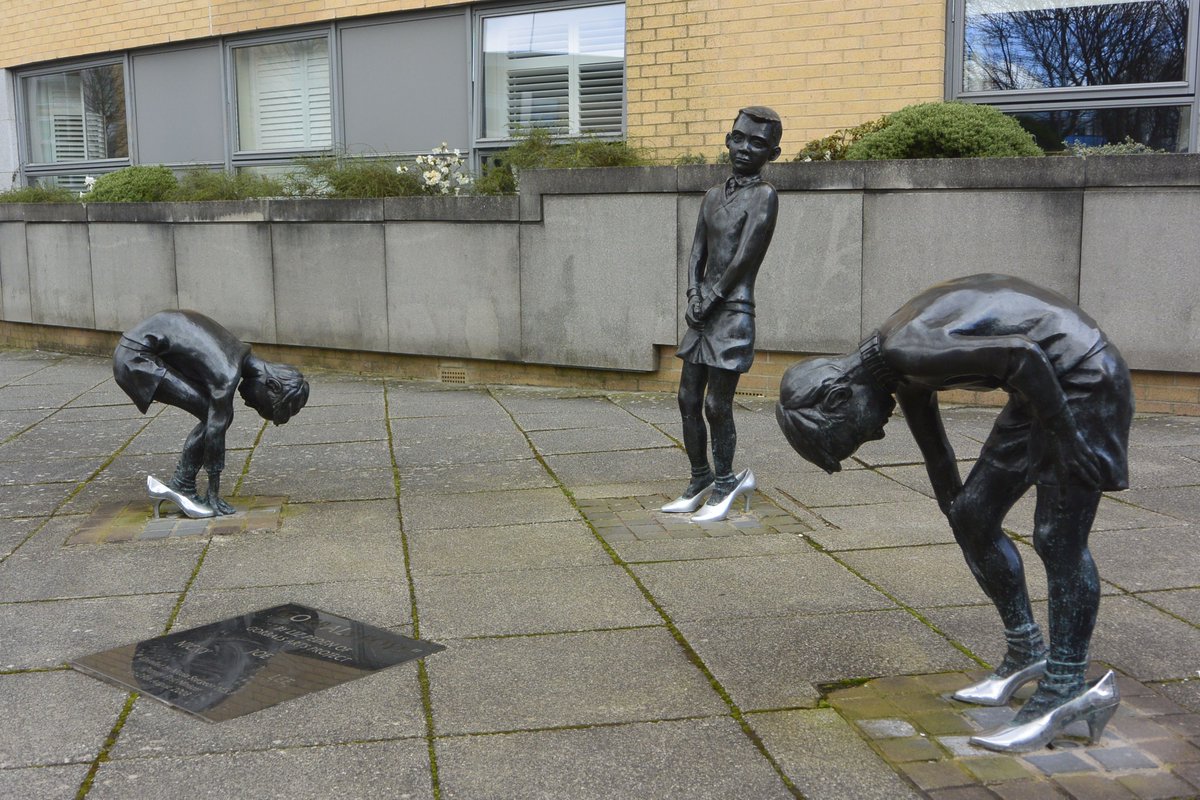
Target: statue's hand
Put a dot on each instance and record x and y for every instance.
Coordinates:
(693, 316)
(1074, 460)
(219, 506)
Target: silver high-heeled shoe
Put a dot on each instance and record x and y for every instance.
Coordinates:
(714, 512)
(1095, 707)
(685, 505)
(996, 691)
(160, 493)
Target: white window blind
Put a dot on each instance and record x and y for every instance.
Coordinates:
(283, 96)
(562, 71)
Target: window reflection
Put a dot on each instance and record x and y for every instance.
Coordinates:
(1038, 44)
(1160, 127)
(77, 115)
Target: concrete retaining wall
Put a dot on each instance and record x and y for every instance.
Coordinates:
(586, 268)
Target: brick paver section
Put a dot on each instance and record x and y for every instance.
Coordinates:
(134, 521)
(1149, 750)
(624, 519)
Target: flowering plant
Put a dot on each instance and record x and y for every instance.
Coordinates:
(441, 172)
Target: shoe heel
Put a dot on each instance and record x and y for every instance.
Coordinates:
(158, 509)
(1097, 720)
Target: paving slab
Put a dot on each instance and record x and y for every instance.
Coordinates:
(534, 546)
(933, 575)
(59, 717)
(882, 525)
(53, 573)
(757, 587)
(532, 682)
(773, 663)
(623, 466)
(1134, 559)
(846, 488)
(598, 440)
(816, 749)
(531, 601)
(1181, 502)
(47, 634)
(460, 478)
(336, 554)
(486, 509)
(705, 759)
(44, 783)
(376, 770)
(383, 602)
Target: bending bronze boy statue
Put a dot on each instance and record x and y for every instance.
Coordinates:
(1064, 430)
(735, 226)
(185, 359)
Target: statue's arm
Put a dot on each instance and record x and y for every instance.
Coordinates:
(756, 237)
(920, 407)
(697, 262)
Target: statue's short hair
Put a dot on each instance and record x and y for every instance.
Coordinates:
(767, 116)
(288, 399)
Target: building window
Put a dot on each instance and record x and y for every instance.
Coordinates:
(73, 117)
(562, 71)
(284, 102)
(1092, 71)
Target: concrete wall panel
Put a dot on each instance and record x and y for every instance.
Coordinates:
(60, 274)
(454, 289)
(808, 297)
(912, 240)
(15, 303)
(330, 285)
(224, 270)
(597, 281)
(1141, 252)
(133, 272)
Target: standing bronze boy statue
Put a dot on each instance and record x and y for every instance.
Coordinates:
(735, 226)
(1064, 430)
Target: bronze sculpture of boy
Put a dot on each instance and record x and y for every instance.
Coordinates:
(733, 232)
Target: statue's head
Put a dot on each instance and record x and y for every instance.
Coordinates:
(827, 410)
(276, 391)
(754, 140)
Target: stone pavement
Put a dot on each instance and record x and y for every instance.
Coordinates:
(595, 647)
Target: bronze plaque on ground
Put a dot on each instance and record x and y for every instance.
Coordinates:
(246, 663)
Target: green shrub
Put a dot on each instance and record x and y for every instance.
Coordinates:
(206, 184)
(684, 159)
(1125, 147)
(835, 146)
(537, 150)
(946, 130)
(39, 194)
(351, 176)
(142, 184)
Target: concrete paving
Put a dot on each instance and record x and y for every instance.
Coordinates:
(595, 648)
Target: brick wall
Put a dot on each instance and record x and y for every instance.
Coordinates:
(822, 64)
(43, 30)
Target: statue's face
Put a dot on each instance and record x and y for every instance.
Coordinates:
(830, 428)
(750, 147)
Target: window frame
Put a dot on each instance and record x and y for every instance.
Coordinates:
(484, 146)
(1171, 93)
(31, 172)
(235, 156)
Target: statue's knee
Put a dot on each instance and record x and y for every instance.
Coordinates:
(717, 410)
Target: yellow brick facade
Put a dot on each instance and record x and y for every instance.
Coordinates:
(823, 64)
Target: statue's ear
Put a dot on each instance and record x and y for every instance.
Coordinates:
(274, 386)
(838, 396)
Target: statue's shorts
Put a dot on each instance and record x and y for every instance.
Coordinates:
(138, 371)
(726, 341)
(1100, 396)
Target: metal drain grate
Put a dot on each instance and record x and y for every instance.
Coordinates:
(747, 393)
(452, 374)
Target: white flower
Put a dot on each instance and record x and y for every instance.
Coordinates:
(89, 182)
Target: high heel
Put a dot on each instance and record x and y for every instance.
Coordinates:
(714, 512)
(996, 691)
(1096, 706)
(160, 493)
(685, 504)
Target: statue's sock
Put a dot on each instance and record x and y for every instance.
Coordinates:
(1025, 646)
